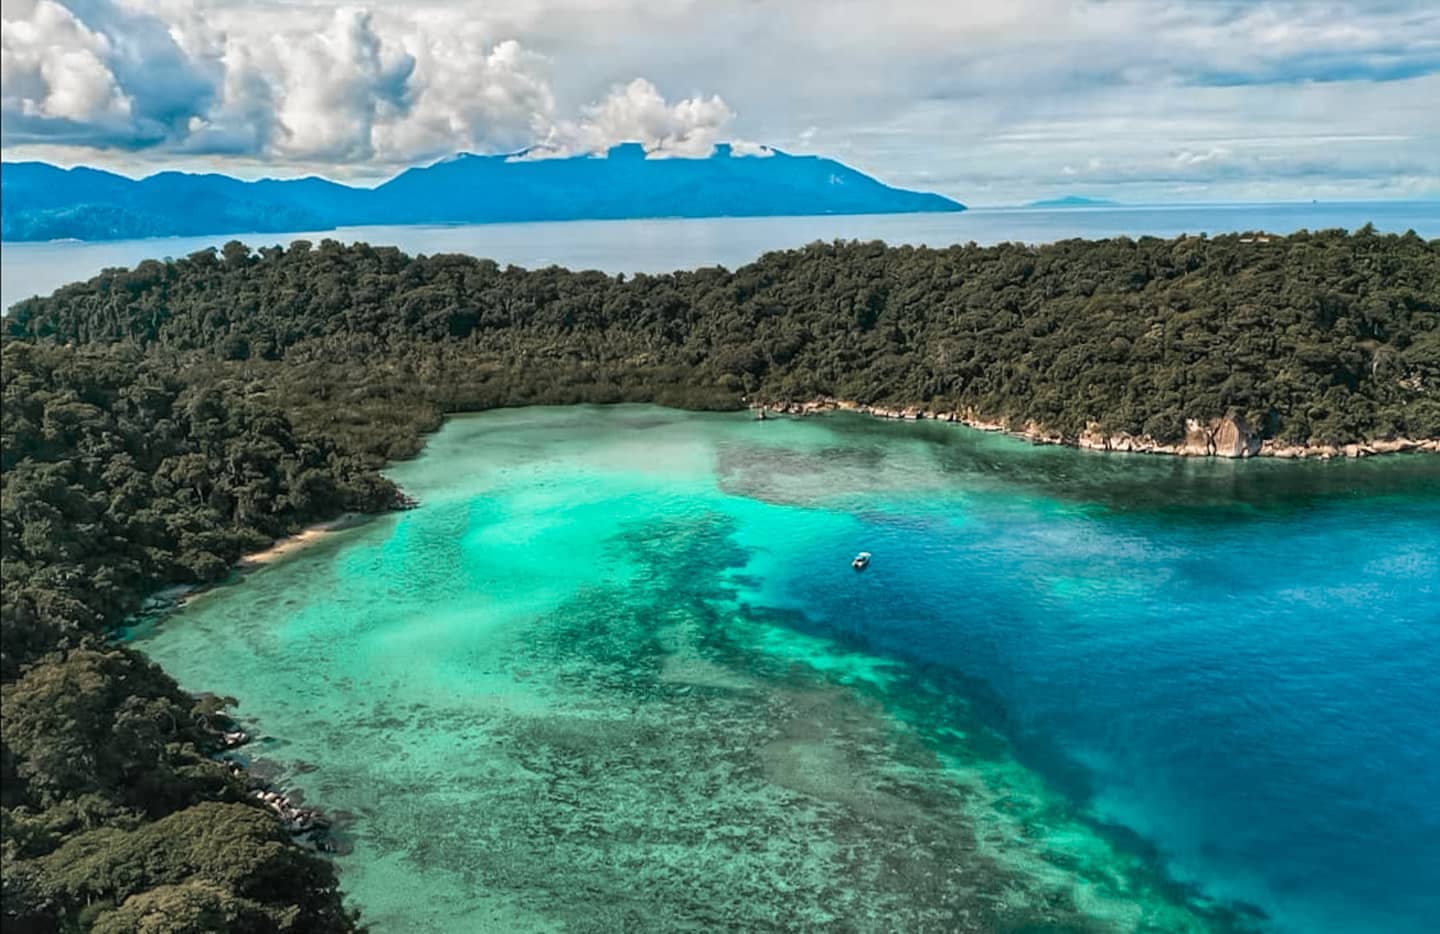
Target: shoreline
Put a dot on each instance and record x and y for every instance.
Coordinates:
(302, 539)
(169, 599)
(308, 827)
(999, 813)
(278, 803)
(1219, 437)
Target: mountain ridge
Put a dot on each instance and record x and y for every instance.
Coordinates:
(1072, 201)
(39, 201)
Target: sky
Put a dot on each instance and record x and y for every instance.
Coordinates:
(995, 102)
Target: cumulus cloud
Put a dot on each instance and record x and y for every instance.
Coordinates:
(332, 89)
(55, 73)
(470, 94)
(95, 73)
(637, 112)
(316, 86)
(1016, 100)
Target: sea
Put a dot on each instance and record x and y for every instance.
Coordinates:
(617, 673)
(665, 245)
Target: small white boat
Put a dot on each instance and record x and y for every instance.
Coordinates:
(861, 561)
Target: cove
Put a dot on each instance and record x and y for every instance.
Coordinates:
(616, 673)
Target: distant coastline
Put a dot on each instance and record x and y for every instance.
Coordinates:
(45, 203)
(657, 247)
(1074, 201)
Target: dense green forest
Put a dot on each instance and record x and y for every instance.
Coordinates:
(121, 476)
(160, 421)
(1323, 337)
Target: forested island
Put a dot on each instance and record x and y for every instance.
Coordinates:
(1319, 339)
(161, 421)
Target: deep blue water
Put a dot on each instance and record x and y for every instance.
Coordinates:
(1231, 667)
(1240, 663)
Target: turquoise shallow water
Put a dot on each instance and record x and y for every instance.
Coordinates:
(616, 673)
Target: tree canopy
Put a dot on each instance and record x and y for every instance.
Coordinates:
(1326, 337)
(121, 476)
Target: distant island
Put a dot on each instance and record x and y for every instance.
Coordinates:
(1072, 201)
(43, 202)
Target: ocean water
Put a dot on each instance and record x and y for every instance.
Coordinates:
(616, 673)
(664, 245)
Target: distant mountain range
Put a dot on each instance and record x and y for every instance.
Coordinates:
(42, 202)
(1072, 201)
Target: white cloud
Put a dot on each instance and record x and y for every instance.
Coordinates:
(742, 147)
(331, 89)
(1213, 154)
(637, 112)
(1139, 96)
(469, 94)
(54, 68)
(95, 73)
(312, 85)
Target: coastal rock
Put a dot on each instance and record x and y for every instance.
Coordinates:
(1227, 437)
(1197, 439)
(1230, 438)
(1092, 438)
(1038, 435)
(1218, 437)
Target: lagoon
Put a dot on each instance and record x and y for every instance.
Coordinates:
(617, 673)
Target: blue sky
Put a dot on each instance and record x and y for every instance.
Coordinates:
(993, 103)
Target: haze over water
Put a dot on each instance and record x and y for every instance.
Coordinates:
(616, 672)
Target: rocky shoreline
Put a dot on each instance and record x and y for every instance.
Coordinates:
(1217, 437)
(309, 827)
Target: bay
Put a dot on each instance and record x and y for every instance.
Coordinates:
(617, 673)
(664, 245)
